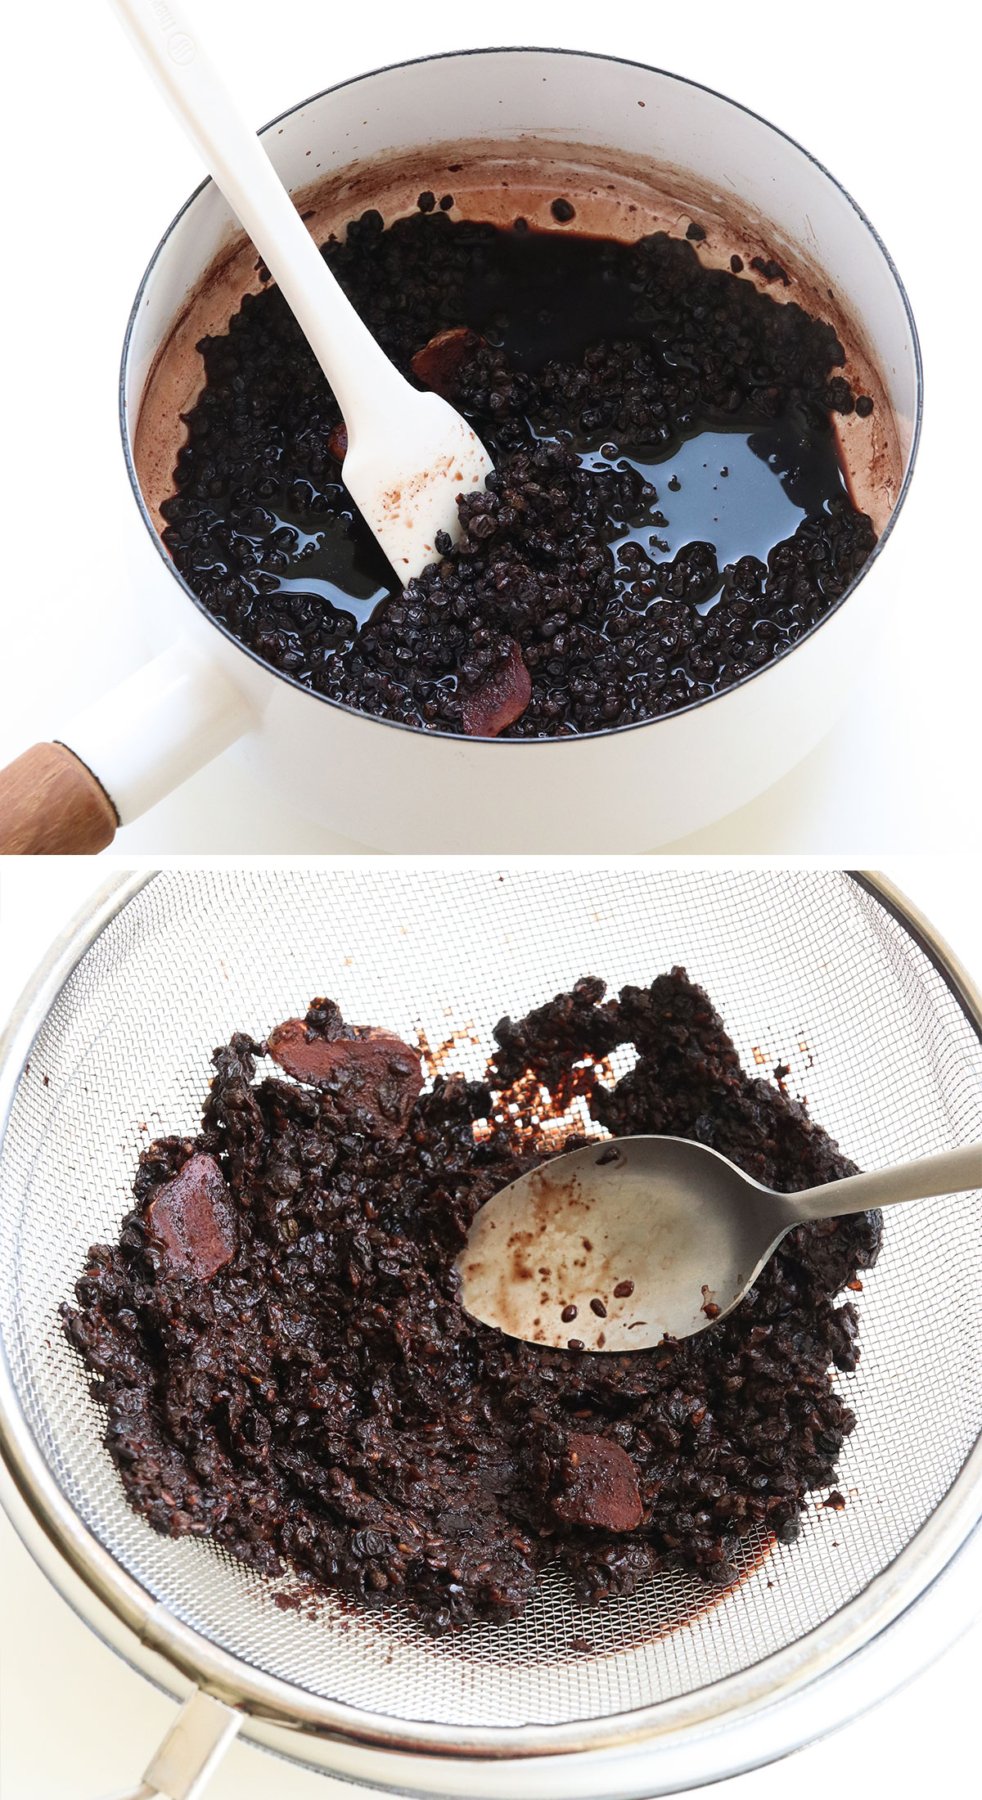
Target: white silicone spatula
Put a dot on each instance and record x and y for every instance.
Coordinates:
(409, 454)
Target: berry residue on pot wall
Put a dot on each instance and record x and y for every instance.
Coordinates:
(667, 513)
(277, 1340)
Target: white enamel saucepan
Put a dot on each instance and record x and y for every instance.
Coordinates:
(505, 131)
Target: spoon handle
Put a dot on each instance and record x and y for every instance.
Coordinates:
(949, 1172)
(364, 381)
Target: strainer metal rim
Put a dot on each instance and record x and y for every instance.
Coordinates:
(157, 1644)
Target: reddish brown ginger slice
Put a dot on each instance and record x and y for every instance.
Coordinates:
(500, 700)
(374, 1072)
(337, 443)
(192, 1222)
(440, 361)
(600, 1485)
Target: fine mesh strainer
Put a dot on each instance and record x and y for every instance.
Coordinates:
(829, 973)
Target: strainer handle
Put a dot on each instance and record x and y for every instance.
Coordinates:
(949, 1172)
(190, 1753)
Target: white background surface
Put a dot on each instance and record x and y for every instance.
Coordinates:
(101, 167)
(75, 1722)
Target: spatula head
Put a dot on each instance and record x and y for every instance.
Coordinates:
(406, 482)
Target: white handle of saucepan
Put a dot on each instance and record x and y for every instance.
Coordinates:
(190, 1753)
(366, 384)
(120, 756)
(158, 727)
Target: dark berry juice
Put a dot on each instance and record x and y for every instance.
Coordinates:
(668, 510)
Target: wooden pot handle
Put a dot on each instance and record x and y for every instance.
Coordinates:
(52, 805)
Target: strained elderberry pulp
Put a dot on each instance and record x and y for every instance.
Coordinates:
(668, 512)
(278, 1344)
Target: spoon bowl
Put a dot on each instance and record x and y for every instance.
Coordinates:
(616, 1245)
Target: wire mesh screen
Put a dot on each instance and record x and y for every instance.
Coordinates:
(807, 968)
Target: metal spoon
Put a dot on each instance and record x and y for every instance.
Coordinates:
(648, 1235)
(409, 454)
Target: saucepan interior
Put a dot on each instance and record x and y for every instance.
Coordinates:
(505, 131)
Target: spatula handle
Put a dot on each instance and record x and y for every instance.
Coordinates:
(364, 381)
